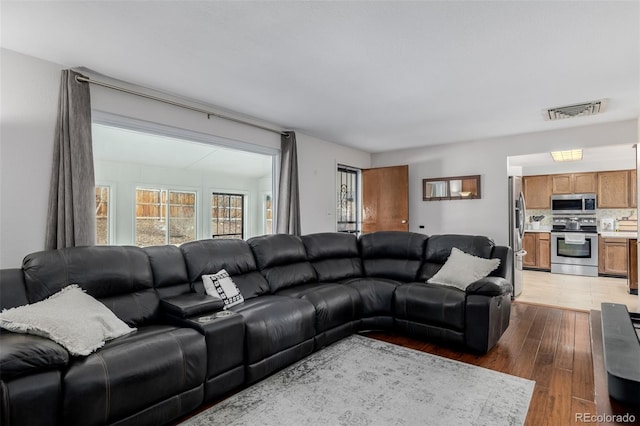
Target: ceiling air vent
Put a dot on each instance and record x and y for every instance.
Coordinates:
(577, 110)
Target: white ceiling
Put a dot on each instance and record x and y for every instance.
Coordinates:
(594, 158)
(129, 146)
(377, 75)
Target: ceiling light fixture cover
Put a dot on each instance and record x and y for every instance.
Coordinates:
(569, 155)
(577, 110)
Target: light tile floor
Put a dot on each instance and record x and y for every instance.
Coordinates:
(575, 292)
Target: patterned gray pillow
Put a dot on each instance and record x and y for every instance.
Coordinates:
(221, 285)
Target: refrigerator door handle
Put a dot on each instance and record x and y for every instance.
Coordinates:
(522, 214)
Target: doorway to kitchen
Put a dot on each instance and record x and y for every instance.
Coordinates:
(606, 177)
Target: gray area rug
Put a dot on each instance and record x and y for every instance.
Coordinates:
(363, 381)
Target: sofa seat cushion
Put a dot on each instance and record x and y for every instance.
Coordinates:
(431, 304)
(376, 295)
(132, 373)
(275, 323)
(23, 354)
(335, 304)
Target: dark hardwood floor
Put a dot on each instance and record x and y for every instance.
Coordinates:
(560, 349)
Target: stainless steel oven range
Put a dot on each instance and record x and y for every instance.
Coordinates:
(574, 246)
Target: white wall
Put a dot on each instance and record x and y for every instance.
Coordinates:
(488, 158)
(317, 165)
(29, 104)
(28, 112)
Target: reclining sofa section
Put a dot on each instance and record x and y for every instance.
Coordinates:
(300, 294)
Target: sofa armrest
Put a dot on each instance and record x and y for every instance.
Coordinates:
(490, 286)
(25, 354)
(190, 304)
(505, 254)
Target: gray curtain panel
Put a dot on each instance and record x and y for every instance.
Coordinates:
(288, 212)
(71, 217)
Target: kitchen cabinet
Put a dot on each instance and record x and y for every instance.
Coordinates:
(632, 279)
(574, 183)
(544, 250)
(633, 188)
(529, 245)
(612, 256)
(613, 190)
(585, 183)
(537, 191)
(538, 248)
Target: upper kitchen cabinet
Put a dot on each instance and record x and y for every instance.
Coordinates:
(633, 185)
(537, 191)
(614, 189)
(574, 183)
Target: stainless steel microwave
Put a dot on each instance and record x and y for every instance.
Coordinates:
(573, 204)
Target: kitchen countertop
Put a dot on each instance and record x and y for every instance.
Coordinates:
(541, 229)
(626, 234)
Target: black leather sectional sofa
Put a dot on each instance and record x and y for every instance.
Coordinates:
(301, 293)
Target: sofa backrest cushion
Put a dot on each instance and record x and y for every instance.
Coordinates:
(12, 290)
(439, 248)
(395, 255)
(333, 255)
(205, 257)
(169, 270)
(282, 260)
(118, 276)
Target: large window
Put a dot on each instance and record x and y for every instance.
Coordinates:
(103, 231)
(165, 216)
(227, 215)
(348, 208)
(165, 177)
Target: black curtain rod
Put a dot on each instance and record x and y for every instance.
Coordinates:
(209, 114)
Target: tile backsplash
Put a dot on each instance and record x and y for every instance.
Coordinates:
(600, 214)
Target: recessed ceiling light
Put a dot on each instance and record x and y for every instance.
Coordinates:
(569, 155)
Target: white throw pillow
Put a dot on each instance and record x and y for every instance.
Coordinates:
(70, 318)
(462, 269)
(221, 285)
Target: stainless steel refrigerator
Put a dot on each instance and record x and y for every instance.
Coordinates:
(517, 215)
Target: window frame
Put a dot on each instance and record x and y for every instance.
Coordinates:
(176, 188)
(246, 227)
(358, 198)
(111, 210)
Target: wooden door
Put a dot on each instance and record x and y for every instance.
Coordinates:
(385, 199)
